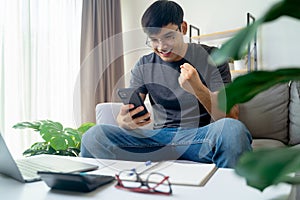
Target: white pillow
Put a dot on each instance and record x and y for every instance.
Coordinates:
(294, 115)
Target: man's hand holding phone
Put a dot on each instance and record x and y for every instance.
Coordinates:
(133, 113)
(125, 119)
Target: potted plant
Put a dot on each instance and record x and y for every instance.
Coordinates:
(275, 165)
(57, 139)
(231, 63)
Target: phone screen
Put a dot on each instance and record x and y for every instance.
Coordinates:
(131, 96)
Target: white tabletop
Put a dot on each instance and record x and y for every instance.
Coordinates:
(225, 184)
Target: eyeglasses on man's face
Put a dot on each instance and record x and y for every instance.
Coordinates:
(168, 38)
(155, 183)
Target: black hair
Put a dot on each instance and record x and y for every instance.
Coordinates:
(161, 13)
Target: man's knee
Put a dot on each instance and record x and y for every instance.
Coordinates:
(235, 134)
(89, 141)
(234, 127)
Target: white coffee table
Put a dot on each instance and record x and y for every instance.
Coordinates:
(225, 184)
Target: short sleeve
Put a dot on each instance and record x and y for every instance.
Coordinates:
(225, 73)
(220, 75)
(137, 77)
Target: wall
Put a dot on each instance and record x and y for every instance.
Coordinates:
(133, 36)
(277, 41)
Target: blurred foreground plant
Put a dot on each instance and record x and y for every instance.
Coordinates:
(261, 168)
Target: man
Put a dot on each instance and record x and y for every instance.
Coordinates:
(182, 87)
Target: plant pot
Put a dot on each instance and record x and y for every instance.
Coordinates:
(239, 64)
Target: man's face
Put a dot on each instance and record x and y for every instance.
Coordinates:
(168, 44)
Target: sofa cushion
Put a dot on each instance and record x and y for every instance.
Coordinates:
(106, 113)
(294, 114)
(266, 115)
(266, 143)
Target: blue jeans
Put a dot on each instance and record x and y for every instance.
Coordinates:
(221, 142)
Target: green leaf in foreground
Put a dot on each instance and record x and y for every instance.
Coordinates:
(235, 47)
(266, 167)
(245, 87)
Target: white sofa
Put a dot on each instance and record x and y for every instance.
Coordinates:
(273, 116)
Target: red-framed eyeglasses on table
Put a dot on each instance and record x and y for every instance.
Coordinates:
(155, 183)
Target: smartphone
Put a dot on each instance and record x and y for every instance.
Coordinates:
(131, 96)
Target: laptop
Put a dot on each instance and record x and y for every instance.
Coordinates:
(25, 169)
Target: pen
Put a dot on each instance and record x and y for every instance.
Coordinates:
(146, 164)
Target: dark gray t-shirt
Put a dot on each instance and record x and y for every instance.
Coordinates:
(172, 105)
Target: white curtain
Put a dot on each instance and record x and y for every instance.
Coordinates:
(40, 62)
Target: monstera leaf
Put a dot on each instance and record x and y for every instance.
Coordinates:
(266, 167)
(57, 139)
(236, 47)
(245, 87)
(261, 168)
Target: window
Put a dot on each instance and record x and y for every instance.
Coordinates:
(40, 62)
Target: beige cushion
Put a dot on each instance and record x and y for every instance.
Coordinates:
(295, 114)
(266, 143)
(266, 115)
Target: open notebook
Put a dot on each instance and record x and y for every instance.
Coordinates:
(180, 172)
(25, 170)
(185, 172)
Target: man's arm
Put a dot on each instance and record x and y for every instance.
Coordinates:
(190, 81)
